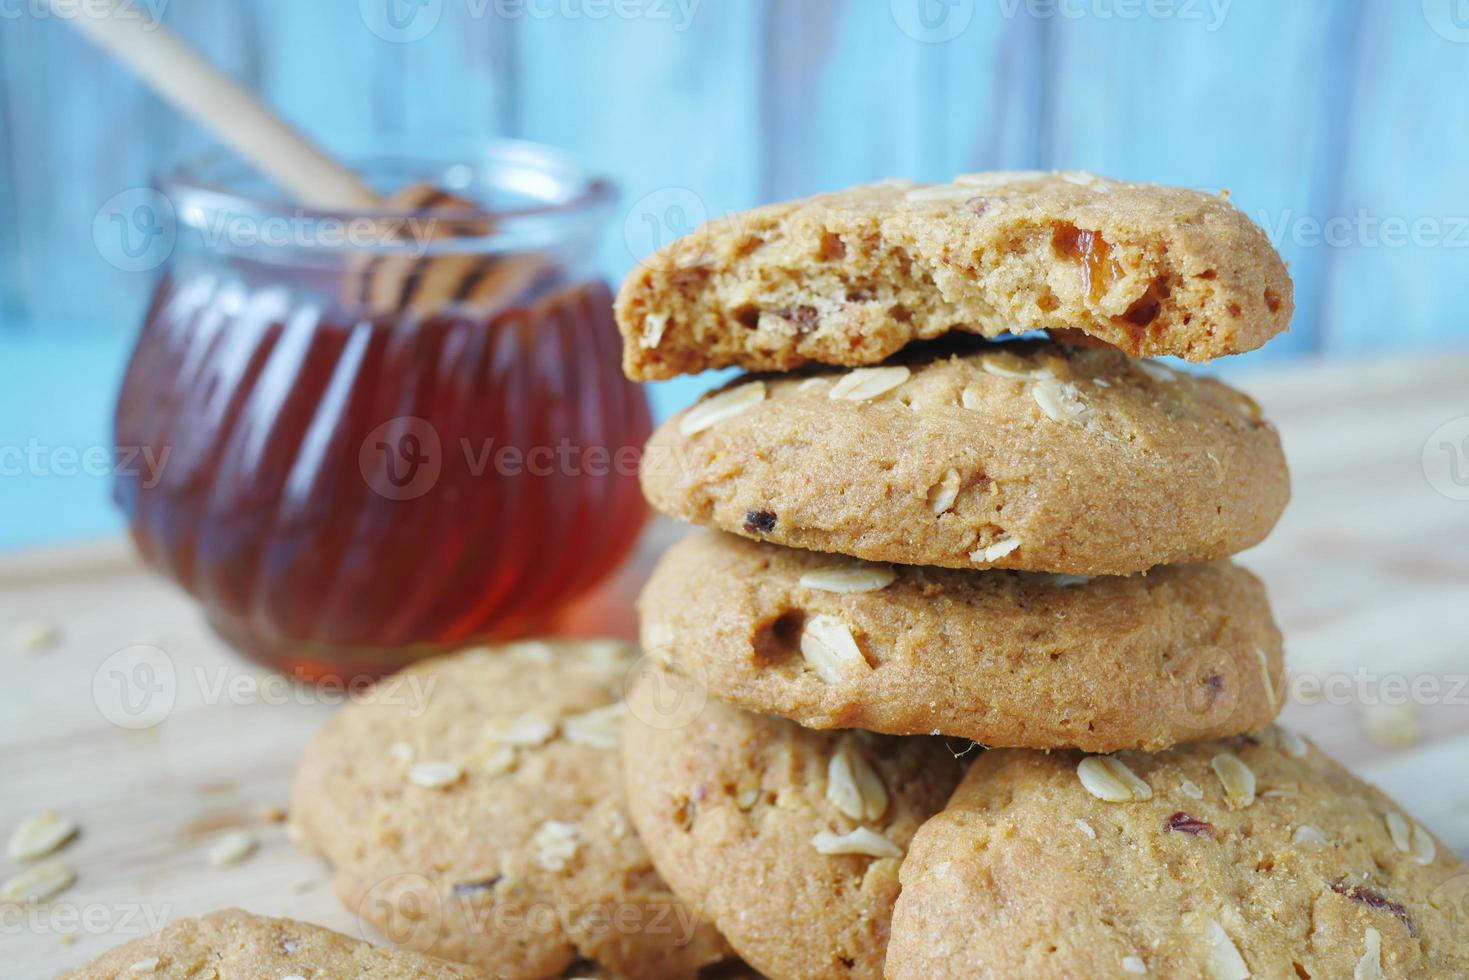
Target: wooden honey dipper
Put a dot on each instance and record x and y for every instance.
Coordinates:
(392, 282)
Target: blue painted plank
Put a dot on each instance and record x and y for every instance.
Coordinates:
(59, 382)
(668, 107)
(1399, 273)
(1238, 96)
(860, 91)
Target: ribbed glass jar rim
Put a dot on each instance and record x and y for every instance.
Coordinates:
(529, 197)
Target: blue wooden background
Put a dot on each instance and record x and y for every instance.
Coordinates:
(1342, 127)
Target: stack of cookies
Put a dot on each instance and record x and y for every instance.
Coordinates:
(961, 682)
(931, 553)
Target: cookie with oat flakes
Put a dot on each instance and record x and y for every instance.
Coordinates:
(1027, 456)
(851, 277)
(235, 943)
(1245, 857)
(472, 807)
(1018, 659)
(788, 839)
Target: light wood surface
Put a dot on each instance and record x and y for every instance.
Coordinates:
(1369, 571)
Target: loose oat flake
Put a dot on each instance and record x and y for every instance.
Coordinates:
(940, 192)
(1086, 828)
(850, 580)
(1423, 849)
(1369, 967)
(1306, 834)
(37, 883)
(1191, 789)
(864, 841)
(864, 384)
(435, 775)
(1156, 371)
(998, 178)
(654, 324)
(145, 966)
(1061, 401)
(853, 787)
(35, 636)
(725, 405)
(232, 848)
(1265, 676)
(1134, 964)
(556, 843)
(1222, 960)
(39, 835)
(1006, 364)
(1236, 777)
(500, 761)
(828, 646)
(599, 727)
(1291, 743)
(941, 495)
(527, 729)
(1108, 778)
(995, 550)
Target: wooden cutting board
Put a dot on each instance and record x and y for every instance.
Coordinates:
(1369, 571)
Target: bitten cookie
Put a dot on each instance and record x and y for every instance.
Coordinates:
(1005, 658)
(789, 839)
(1225, 859)
(851, 277)
(1027, 456)
(472, 807)
(234, 943)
